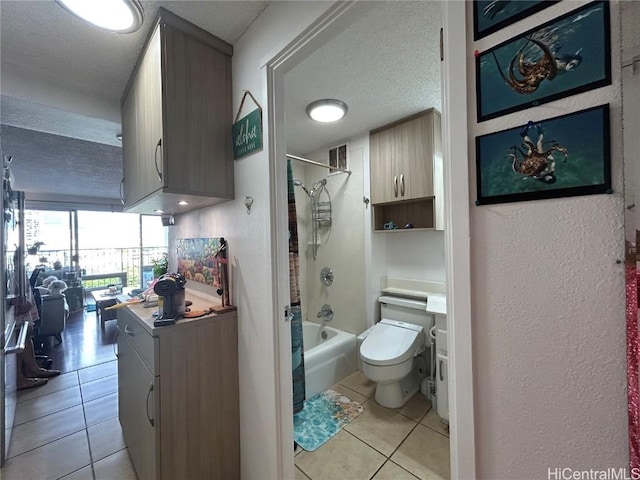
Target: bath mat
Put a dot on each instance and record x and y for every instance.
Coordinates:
(322, 417)
(91, 307)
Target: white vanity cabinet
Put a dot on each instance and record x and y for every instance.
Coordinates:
(442, 368)
(178, 395)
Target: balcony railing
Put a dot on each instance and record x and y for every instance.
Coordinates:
(136, 262)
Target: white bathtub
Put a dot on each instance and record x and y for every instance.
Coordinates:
(327, 360)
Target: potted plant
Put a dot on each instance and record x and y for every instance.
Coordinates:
(160, 265)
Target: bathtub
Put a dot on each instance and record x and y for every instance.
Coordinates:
(327, 360)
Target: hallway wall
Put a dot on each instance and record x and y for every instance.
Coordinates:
(250, 237)
(548, 304)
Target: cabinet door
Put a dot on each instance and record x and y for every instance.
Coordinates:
(382, 151)
(124, 385)
(415, 165)
(130, 145)
(149, 104)
(143, 418)
(197, 109)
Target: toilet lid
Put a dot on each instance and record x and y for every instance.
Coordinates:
(390, 343)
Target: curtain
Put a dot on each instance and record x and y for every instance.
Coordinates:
(297, 348)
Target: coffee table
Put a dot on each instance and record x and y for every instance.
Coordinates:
(103, 300)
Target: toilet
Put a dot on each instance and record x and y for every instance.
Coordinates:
(390, 347)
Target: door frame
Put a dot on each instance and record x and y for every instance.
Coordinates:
(457, 236)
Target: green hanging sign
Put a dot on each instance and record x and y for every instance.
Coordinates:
(247, 132)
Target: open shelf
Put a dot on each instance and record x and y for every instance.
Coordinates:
(417, 212)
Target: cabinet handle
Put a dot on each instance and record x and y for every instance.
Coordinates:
(155, 158)
(115, 342)
(402, 185)
(128, 331)
(21, 342)
(441, 376)
(151, 420)
(395, 185)
(122, 191)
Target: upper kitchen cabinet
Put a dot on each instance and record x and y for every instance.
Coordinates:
(176, 121)
(406, 172)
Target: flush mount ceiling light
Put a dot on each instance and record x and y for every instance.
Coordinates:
(182, 202)
(121, 16)
(327, 110)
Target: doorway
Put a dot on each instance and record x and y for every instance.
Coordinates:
(335, 21)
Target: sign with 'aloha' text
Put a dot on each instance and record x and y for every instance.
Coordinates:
(247, 134)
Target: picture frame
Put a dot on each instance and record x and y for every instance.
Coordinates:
(561, 156)
(565, 56)
(489, 16)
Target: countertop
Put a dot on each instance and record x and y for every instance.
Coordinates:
(200, 302)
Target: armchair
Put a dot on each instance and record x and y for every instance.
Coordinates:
(54, 315)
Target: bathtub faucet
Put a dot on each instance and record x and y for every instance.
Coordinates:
(325, 313)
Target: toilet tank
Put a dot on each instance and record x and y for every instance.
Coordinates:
(406, 310)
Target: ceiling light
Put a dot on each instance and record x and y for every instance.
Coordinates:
(121, 16)
(159, 211)
(119, 136)
(182, 202)
(327, 110)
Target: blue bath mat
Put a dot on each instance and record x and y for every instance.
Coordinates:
(322, 417)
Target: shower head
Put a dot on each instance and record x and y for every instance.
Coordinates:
(298, 183)
(317, 187)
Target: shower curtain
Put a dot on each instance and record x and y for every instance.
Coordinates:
(297, 349)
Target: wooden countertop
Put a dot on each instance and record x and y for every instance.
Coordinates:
(200, 302)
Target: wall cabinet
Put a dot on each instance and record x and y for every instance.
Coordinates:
(406, 172)
(178, 395)
(176, 121)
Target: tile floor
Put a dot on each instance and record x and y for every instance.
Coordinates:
(381, 443)
(69, 429)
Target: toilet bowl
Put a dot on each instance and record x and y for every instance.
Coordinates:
(387, 355)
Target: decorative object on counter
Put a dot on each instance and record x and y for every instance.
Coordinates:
(546, 63)
(248, 201)
(491, 15)
(559, 157)
(408, 225)
(326, 276)
(247, 132)
(205, 260)
(197, 259)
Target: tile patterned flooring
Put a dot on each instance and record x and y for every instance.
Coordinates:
(69, 429)
(381, 443)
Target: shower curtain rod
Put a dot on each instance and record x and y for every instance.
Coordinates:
(318, 164)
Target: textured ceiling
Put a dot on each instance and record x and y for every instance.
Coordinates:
(64, 77)
(46, 163)
(384, 67)
(62, 81)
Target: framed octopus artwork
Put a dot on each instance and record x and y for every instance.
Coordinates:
(491, 15)
(559, 157)
(568, 55)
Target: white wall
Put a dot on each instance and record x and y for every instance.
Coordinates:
(342, 246)
(249, 240)
(548, 329)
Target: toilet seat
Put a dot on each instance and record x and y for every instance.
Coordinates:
(390, 343)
